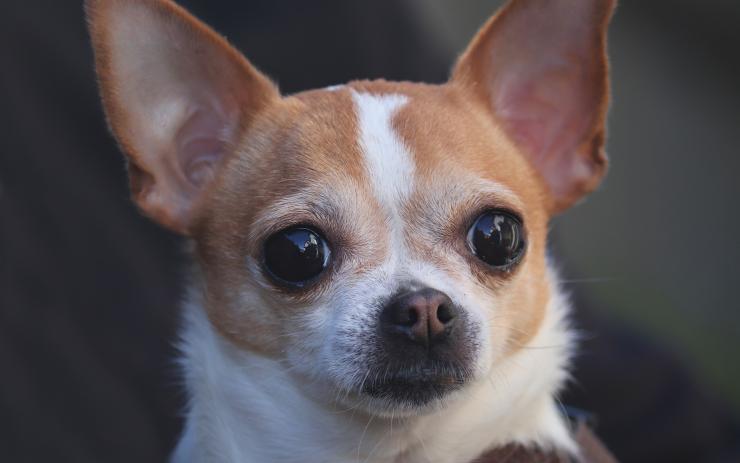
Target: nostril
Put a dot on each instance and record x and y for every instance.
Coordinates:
(411, 318)
(445, 314)
(401, 315)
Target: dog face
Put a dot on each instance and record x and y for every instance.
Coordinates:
(389, 301)
(386, 241)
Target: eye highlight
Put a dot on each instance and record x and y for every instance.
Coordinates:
(497, 239)
(296, 255)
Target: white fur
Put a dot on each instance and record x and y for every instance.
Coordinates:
(247, 408)
(389, 164)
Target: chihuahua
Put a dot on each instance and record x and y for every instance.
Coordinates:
(370, 280)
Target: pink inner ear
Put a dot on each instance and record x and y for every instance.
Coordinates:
(540, 66)
(175, 93)
(201, 144)
(548, 111)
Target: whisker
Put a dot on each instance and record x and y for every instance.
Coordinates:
(362, 437)
(588, 280)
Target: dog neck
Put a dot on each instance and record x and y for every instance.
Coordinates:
(249, 408)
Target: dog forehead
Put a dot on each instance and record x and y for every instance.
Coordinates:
(376, 149)
(371, 131)
(433, 135)
(435, 132)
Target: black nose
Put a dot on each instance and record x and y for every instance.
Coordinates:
(425, 316)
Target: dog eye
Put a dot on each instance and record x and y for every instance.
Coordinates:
(296, 255)
(497, 239)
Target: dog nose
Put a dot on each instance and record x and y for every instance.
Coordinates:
(425, 316)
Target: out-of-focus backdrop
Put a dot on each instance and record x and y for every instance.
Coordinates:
(89, 290)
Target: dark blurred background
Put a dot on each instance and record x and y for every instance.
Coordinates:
(89, 290)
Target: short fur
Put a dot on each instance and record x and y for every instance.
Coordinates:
(393, 174)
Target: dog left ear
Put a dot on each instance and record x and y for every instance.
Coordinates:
(177, 97)
(540, 68)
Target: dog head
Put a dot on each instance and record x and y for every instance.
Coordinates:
(385, 240)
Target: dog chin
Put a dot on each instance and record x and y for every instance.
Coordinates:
(408, 394)
(393, 407)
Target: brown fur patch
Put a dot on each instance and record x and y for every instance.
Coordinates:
(303, 148)
(457, 146)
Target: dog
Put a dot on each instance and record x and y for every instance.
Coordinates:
(371, 281)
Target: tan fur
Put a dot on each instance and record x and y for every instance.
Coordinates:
(303, 147)
(309, 141)
(458, 144)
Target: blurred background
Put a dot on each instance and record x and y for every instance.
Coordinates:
(89, 290)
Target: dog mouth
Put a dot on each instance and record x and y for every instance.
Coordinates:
(399, 373)
(415, 387)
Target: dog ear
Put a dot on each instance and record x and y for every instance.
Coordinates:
(540, 68)
(177, 97)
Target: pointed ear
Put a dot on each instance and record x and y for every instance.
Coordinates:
(540, 67)
(177, 97)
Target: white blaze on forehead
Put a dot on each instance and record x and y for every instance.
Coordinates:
(389, 164)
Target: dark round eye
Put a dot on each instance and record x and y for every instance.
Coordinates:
(497, 239)
(296, 255)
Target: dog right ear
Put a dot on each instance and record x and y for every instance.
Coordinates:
(177, 97)
(540, 69)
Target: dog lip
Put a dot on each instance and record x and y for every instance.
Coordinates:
(417, 387)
